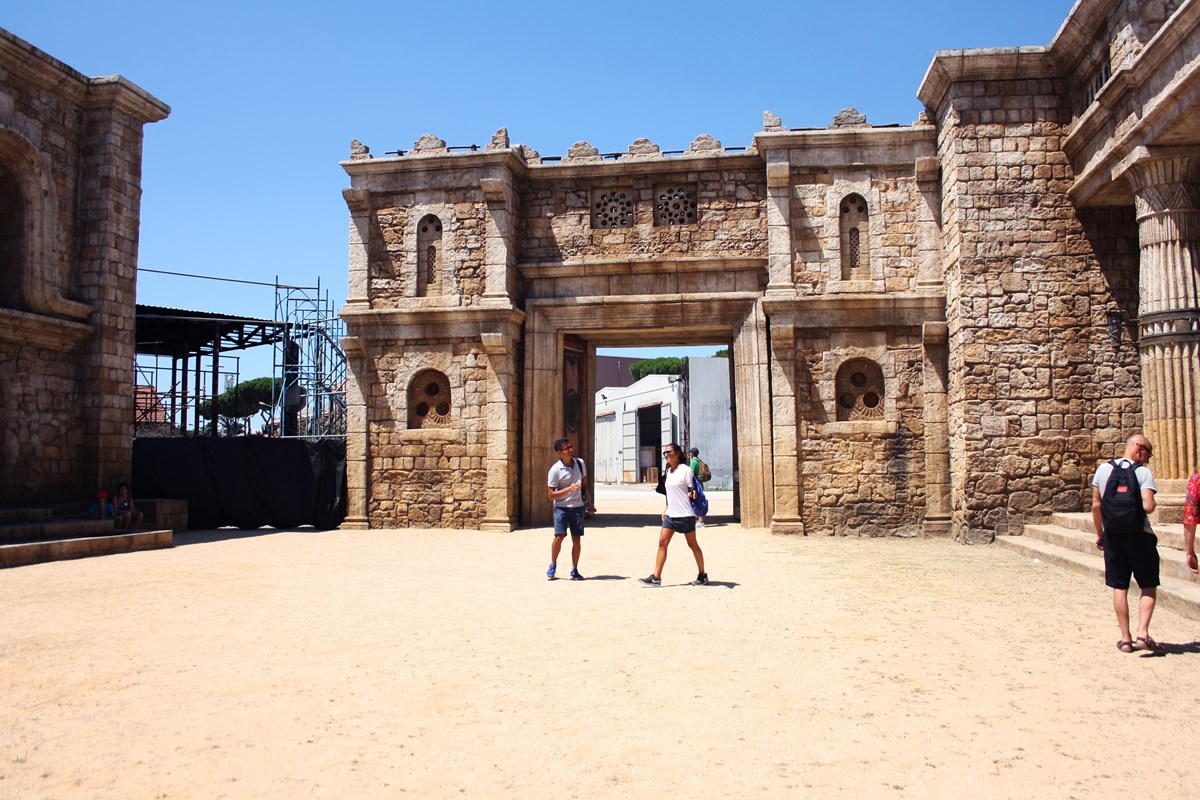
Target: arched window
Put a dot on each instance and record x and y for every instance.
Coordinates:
(855, 241)
(12, 241)
(429, 256)
(429, 400)
(859, 390)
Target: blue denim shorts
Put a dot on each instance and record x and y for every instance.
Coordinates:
(680, 524)
(571, 518)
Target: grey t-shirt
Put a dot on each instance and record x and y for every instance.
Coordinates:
(561, 476)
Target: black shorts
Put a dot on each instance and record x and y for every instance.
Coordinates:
(1125, 554)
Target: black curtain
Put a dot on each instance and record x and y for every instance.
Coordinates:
(246, 481)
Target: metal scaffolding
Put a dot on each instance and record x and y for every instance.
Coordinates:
(310, 366)
(185, 357)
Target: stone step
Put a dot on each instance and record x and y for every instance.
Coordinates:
(1171, 559)
(1169, 534)
(11, 516)
(1178, 595)
(25, 553)
(54, 529)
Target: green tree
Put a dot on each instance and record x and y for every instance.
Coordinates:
(722, 353)
(667, 365)
(236, 405)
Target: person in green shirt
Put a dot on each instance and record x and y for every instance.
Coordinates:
(695, 465)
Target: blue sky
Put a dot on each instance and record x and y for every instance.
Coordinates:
(243, 181)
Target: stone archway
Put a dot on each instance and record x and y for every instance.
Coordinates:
(615, 320)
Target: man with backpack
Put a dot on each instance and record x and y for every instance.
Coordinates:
(1122, 499)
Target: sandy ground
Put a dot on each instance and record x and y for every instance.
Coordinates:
(443, 664)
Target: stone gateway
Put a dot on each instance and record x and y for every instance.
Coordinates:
(936, 328)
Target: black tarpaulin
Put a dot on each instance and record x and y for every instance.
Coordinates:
(246, 481)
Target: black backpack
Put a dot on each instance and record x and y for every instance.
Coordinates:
(1121, 502)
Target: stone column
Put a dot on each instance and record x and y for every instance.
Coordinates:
(934, 337)
(501, 438)
(1166, 186)
(357, 442)
(785, 449)
(359, 290)
(542, 419)
(752, 389)
(779, 233)
(499, 222)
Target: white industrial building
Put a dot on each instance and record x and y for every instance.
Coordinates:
(694, 409)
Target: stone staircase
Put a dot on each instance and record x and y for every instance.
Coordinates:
(1069, 540)
(36, 535)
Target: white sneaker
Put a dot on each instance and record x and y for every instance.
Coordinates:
(699, 523)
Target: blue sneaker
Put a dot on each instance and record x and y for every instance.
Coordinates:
(575, 576)
(550, 572)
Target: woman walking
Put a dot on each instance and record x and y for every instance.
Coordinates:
(679, 517)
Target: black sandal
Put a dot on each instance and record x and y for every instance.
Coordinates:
(1125, 647)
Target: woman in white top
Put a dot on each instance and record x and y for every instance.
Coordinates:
(679, 517)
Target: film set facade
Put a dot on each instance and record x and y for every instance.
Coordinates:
(935, 329)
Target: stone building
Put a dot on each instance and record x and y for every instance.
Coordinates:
(935, 328)
(70, 193)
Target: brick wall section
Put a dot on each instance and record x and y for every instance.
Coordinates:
(1030, 357)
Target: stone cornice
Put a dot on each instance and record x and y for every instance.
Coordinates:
(508, 159)
(1171, 93)
(623, 167)
(1084, 23)
(52, 333)
(469, 323)
(439, 162)
(985, 64)
(629, 266)
(860, 311)
(19, 56)
(114, 91)
(839, 148)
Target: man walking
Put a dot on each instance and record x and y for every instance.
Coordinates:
(565, 486)
(1122, 499)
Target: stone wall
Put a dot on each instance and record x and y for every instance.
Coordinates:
(1036, 385)
(893, 246)
(70, 156)
(393, 249)
(434, 476)
(862, 477)
(730, 219)
(41, 426)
